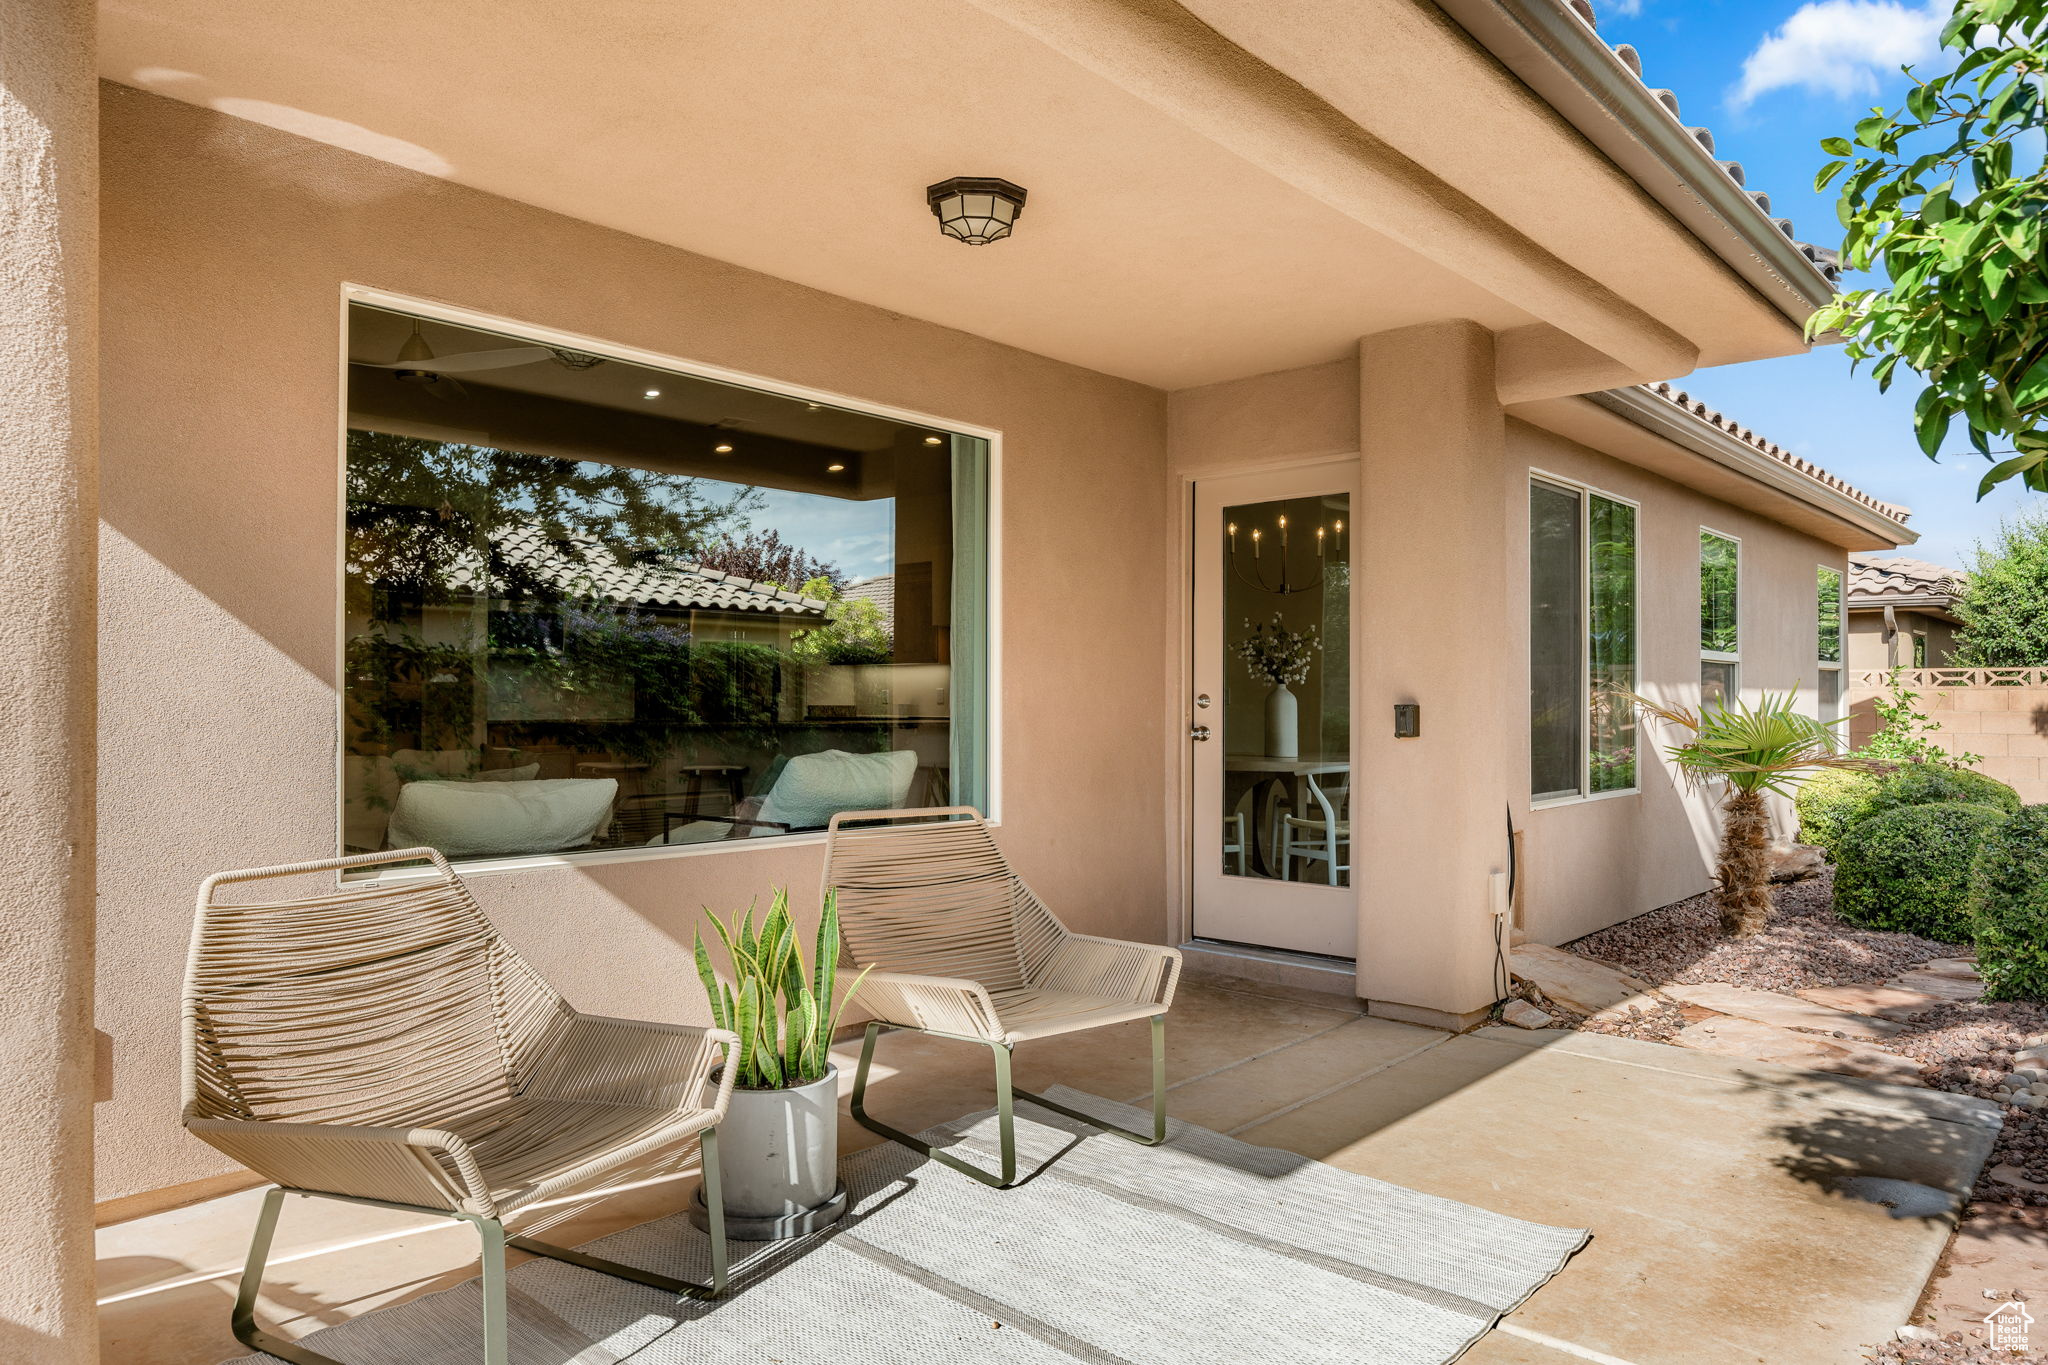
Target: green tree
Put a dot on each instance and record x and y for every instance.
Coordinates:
(1946, 194)
(854, 631)
(2004, 610)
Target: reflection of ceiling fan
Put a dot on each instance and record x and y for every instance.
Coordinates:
(417, 363)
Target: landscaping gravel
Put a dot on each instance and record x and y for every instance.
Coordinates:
(1804, 943)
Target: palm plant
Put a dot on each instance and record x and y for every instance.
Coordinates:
(784, 1017)
(1757, 750)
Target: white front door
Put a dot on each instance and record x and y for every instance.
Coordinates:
(1270, 715)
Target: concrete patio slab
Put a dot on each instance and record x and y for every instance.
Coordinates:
(1708, 1181)
(1733, 1037)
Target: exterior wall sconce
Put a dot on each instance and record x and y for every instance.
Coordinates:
(975, 209)
(1407, 720)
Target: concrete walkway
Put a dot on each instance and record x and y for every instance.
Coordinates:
(1721, 1192)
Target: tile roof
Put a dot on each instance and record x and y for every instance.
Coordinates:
(880, 589)
(1873, 579)
(1679, 398)
(1828, 263)
(594, 570)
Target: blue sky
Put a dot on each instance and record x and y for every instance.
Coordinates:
(1772, 78)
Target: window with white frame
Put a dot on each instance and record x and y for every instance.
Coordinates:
(1828, 627)
(1582, 641)
(1720, 611)
(595, 604)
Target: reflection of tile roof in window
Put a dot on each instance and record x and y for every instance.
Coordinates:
(1827, 262)
(592, 570)
(1876, 579)
(1680, 398)
(881, 590)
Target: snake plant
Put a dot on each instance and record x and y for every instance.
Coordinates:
(784, 1018)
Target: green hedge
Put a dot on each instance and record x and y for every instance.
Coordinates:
(1909, 869)
(1835, 800)
(2009, 907)
(1831, 801)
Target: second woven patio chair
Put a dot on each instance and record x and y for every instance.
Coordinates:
(377, 1042)
(960, 948)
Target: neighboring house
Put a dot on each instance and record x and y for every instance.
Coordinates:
(1901, 612)
(1348, 329)
(879, 589)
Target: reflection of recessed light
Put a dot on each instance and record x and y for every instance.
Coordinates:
(652, 393)
(932, 441)
(721, 449)
(812, 406)
(834, 468)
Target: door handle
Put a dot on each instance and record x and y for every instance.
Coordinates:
(1198, 733)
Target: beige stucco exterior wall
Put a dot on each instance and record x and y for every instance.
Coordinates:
(48, 337)
(1587, 864)
(226, 246)
(1868, 649)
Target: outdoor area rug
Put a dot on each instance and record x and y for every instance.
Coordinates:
(1206, 1249)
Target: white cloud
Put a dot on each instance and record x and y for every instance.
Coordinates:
(1840, 48)
(1626, 8)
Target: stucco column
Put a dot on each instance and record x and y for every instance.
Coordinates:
(48, 523)
(1432, 819)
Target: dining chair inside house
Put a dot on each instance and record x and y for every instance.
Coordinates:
(1320, 834)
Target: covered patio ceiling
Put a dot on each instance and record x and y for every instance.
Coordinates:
(1195, 213)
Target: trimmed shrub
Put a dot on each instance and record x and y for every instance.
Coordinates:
(1909, 869)
(1834, 801)
(1830, 802)
(2009, 907)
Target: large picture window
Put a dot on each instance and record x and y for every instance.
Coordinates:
(1582, 642)
(598, 605)
(1720, 637)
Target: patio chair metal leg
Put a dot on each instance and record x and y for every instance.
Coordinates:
(714, 1200)
(1006, 1098)
(497, 1344)
(243, 1319)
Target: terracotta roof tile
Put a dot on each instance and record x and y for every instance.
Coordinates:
(1679, 398)
(1873, 578)
(1827, 261)
(592, 569)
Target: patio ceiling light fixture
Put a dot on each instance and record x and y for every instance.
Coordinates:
(975, 209)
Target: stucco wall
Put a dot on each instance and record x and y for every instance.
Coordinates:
(1869, 649)
(226, 245)
(1588, 864)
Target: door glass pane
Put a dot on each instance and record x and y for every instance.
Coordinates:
(1286, 713)
(1556, 641)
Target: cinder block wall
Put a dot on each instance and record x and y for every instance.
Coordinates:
(2007, 725)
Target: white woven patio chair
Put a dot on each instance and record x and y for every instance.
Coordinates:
(379, 1043)
(961, 949)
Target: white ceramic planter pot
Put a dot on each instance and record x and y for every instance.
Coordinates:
(1283, 723)
(778, 1156)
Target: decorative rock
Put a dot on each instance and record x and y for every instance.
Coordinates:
(1577, 983)
(1522, 1014)
(1786, 1011)
(1795, 862)
(1912, 1333)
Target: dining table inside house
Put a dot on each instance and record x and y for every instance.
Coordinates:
(1270, 779)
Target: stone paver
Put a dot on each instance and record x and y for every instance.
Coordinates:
(1575, 982)
(1885, 1002)
(1786, 1011)
(1728, 1036)
(1941, 985)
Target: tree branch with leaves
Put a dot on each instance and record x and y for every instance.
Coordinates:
(1946, 195)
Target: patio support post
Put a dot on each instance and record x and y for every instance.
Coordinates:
(1437, 516)
(49, 120)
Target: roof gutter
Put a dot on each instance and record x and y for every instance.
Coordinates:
(1662, 418)
(1558, 55)
(1919, 601)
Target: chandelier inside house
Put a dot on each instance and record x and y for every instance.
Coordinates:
(1271, 569)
